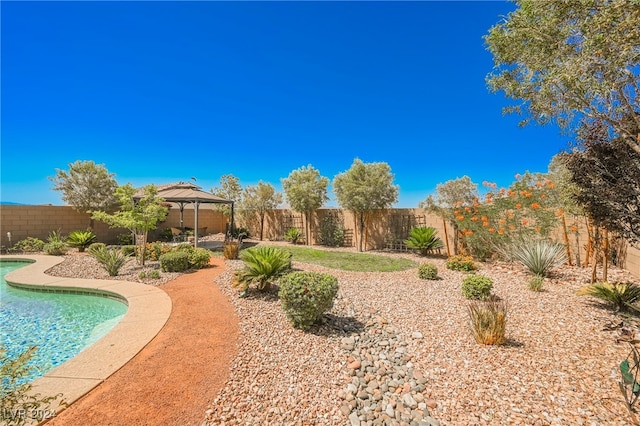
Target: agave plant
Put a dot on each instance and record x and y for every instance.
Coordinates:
(81, 239)
(424, 239)
(621, 295)
(539, 256)
(262, 265)
(110, 259)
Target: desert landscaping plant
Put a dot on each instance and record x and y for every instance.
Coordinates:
(488, 320)
(539, 256)
(477, 287)
(306, 296)
(621, 295)
(293, 235)
(28, 245)
(55, 245)
(536, 282)
(110, 259)
(424, 240)
(629, 385)
(461, 263)
(262, 265)
(428, 271)
(231, 249)
(81, 239)
(175, 261)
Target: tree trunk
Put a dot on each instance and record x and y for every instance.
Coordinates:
(361, 220)
(261, 224)
(141, 239)
(605, 254)
(566, 239)
(589, 244)
(577, 243)
(446, 236)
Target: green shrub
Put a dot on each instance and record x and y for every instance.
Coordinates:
(15, 394)
(155, 274)
(128, 250)
(539, 256)
(55, 248)
(477, 287)
(142, 275)
(81, 239)
(536, 282)
(306, 296)
(154, 250)
(461, 263)
(175, 261)
(621, 295)
(427, 271)
(331, 231)
(262, 265)
(424, 240)
(111, 259)
(199, 258)
(293, 235)
(125, 239)
(96, 246)
(488, 321)
(29, 245)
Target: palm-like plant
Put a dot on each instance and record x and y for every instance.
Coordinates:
(424, 239)
(621, 295)
(81, 239)
(262, 265)
(539, 256)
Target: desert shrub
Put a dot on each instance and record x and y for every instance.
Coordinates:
(461, 263)
(175, 261)
(55, 248)
(428, 271)
(293, 235)
(128, 250)
(96, 246)
(142, 275)
(488, 320)
(81, 239)
(262, 265)
(621, 295)
(155, 274)
(536, 282)
(15, 394)
(230, 249)
(477, 287)
(154, 250)
(110, 259)
(306, 296)
(199, 258)
(125, 239)
(424, 240)
(29, 245)
(331, 231)
(539, 256)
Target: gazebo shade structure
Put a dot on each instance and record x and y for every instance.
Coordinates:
(182, 193)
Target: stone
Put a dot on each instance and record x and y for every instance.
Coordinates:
(355, 364)
(416, 335)
(345, 409)
(431, 403)
(353, 419)
(409, 401)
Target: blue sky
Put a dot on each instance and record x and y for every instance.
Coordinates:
(162, 91)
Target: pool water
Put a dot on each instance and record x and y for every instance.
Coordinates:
(60, 325)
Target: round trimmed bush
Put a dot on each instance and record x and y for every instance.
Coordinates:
(175, 261)
(199, 258)
(461, 263)
(306, 296)
(477, 287)
(428, 271)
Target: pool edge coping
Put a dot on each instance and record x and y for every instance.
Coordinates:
(148, 310)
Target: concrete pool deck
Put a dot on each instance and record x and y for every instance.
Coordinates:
(148, 310)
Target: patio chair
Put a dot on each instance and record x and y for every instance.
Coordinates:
(178, 236)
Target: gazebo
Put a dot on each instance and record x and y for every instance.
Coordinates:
(183, 193)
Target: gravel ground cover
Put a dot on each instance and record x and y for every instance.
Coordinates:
(559, 365)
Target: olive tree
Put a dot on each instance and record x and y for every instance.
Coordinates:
(364, 188)
(229, 189)
(571, 62)
(306, 192)
(139, 212)
(259, 199)
(86, 187)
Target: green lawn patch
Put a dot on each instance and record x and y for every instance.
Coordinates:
(348, 261)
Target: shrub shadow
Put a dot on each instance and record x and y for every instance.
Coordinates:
(335, 325)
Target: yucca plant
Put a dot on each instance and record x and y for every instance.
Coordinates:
(621, 295)
(488, 321)
(262, 265)
(539, 256)
(424, 240)
(81, 239)
(293, 235)
(111, 259)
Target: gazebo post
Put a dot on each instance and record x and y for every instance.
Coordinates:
(232, 217)
(195, 229)
(181, 216)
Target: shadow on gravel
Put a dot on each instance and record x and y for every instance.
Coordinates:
(337, 326)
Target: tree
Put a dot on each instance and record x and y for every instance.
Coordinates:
(571, 61)
(260, 198)
(306, 192)
(461, 191)
(139, 215)
(86, 187)
(229, 189)
(364, 188)
(607, 175)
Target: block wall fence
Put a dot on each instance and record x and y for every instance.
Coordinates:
(38, 221)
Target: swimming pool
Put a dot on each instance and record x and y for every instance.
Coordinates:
(60, 325)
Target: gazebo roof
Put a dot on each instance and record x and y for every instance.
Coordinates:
(185, 192)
